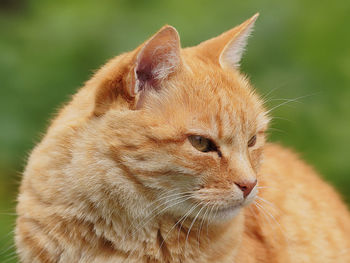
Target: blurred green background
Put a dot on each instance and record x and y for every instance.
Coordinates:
(300, 49)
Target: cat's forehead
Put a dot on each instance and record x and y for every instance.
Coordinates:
(214, 101)
(228, 102)
(218, 88)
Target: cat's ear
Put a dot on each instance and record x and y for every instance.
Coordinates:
(131, 75)
(157, 59)
(228, 48)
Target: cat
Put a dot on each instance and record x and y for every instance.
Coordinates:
(161, 157)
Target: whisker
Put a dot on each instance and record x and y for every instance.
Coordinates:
(268, 187)
(252, 211)
(267, 219)
(267, 202)
(200, 227)
(139, 226)
(279, 118)
(193, 221)
(183, 221)
(216, 211)
(8, 245)
(12, 256)
(177, 222)
(274, 220)
(5, 250)
(165, 196)
(264, 97)
(283, 99)
(152, 215)
(210, 217)
(8, 214)
(277, 130)
(289, 101)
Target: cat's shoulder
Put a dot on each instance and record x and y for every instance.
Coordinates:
(285, 169)
(283, 158)
(287, 177)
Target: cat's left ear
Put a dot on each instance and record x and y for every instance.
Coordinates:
(228, 48)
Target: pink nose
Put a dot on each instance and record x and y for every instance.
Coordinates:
(246, 187)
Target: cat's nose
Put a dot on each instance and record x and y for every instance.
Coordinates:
(246, 187)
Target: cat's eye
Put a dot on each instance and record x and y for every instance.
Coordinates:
(252, 141)
(203, 144)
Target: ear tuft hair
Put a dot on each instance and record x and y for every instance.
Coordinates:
(227, 49)
(233, 51)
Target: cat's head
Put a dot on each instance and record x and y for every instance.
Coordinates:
(181, 128)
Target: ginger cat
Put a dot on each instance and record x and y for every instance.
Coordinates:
(161, 157)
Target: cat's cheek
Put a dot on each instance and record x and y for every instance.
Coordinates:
(256, 158)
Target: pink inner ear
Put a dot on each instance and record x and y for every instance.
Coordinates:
(157, 59)
(145, 72)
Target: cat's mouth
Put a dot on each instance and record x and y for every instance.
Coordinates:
(216, 205)
(228, 211)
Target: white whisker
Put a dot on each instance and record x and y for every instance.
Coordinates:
(200, 227)
(183, 221)
(210, 217)
(265, 211)
(288, 101)
(193, 221)
(185, 196)
(267, 202)
(177, 222)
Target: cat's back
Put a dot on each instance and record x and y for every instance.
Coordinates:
(297, 217)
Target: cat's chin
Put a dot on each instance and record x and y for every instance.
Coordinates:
(227, 213)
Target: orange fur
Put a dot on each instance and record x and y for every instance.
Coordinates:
(115, 179)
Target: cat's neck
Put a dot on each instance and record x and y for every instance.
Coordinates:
(202, 241)
(167, 238)
(161, 239)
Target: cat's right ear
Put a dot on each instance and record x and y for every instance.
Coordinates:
(158, 58)
(144, 69)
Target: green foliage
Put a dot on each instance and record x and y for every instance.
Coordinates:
(300, 49)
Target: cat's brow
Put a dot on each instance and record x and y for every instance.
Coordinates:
(178, 139)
